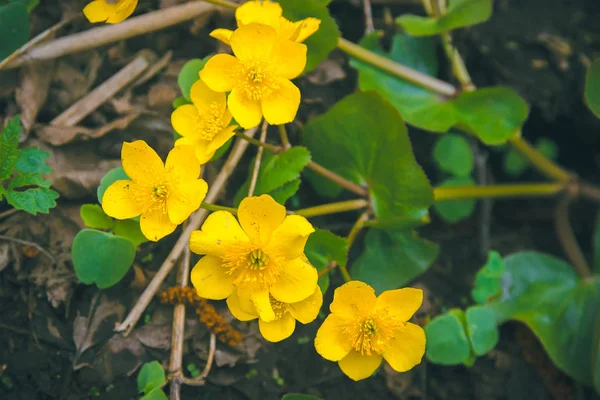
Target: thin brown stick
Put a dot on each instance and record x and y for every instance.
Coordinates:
(340, 180)
(194, 223)
(108, 34)
(9, 212)
(259, 152)
(27, 243)
(211, 356)
(369, 25)
(178, 334)
(36, 40)
(567, 239)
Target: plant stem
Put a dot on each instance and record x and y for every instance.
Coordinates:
(340, 180)
(565, 234)
(332, 208)
(285, 141)
(356, 228)
(497, 191)
(256, 169)
(223, 3)
(215, 207)
(543, 164)
(272, 148)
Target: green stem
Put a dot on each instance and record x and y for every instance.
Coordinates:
(497, 191)
(214, 207)
(543, 164)
(333, 208)
(356, 228)
(223, 3)
(285, 141)
(338, 179)
(270, 147)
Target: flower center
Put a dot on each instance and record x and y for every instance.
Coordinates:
(257, 260)
(256, 79)
(210, 123)
(160, 192)
(373, 333)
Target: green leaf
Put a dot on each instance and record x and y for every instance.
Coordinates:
(488, 284)
(393, 259)
(460, 13)
(101, 258)
(453, 155)
(322, 42)
(296, 396)
(14, 28)
(482, 329)
(278, 175)
(323, 247)
(28, 179)
(33, 159)
(180, 101)
(111, 176)
(382, 160)
(455, 210)
(94, 217)
(592, 88)
(156, 394)
(515, 164)
(189, 74)
(9, 141)
(33, 200)
(151, 376)
(596, 244)
(447, 341)
(130, 230)
(493, 114)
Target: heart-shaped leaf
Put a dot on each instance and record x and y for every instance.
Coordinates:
(323, 247)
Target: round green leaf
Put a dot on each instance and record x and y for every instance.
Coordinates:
(156, 394)
(189, 74)
(488, 284)
(94, 217)
(14, 28)
(322, 42)
(180, 101)
(111, 176)
(101, 258)
(592, 88)
(482, 329)
(130, 230)
(323, 247)
(447, 341)
(392, 259)
(455, 210)
(151, 376)
(453, 154)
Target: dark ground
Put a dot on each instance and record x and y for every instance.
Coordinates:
(38, 351)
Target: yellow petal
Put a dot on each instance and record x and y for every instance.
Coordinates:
(253, 42)
(267, 13)
(406, 349)
(155, 223)
(331, 341)
(207, 100)
(182, 166)
(220, 139)
(359, 366)
(184, 120)
(233, 303)
(98, 11)
(224, 35)
(200, 146)
(290, 237)
(401, 304)
(221, 72)
(219, 232)
(276, 331)
(282, 105)
(259, 217)
(126, 199)
(289, 58)
(210, 280)
(352, 300)
(247, 112)
(262, 303)
(185, 199)
(142, 164)
(308, 26)
(307, 310)
(297, 281)
(124, 9)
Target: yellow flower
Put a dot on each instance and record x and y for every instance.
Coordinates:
(258, 77)
(163, 194)
(262, 258)
(268, 13)
(286, 314)
(362, 329)
(109, 11)
(205, 123)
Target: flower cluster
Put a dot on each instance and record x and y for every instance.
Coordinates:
(111, 12)
(258, 265)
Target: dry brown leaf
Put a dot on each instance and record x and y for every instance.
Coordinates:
(33, 91)
(401, 384)
(326, 72)
(58, 136)
(162, 94)
(4, 255)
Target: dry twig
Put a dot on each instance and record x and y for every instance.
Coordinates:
(259, 152)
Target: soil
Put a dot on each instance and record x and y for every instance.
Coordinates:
(538, 47)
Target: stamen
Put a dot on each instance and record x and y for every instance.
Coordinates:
(257, 260)
(160, 192)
